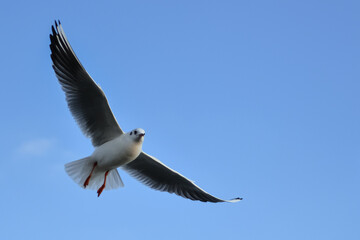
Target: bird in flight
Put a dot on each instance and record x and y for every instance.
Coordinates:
(114, 148)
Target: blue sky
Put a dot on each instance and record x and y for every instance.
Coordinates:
(256, 99)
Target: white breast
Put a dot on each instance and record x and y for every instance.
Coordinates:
(116, 152)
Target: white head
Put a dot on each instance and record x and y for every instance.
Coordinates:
(137, 134)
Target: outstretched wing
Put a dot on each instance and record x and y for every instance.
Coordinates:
(86, 101)
(156, 175)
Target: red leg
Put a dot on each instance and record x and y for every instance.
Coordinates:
(103, 186)
(88, 178)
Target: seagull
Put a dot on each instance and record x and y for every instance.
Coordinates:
(114, 148)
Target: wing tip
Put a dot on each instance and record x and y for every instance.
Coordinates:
(57, 23)
(55, 27)
(234, 200)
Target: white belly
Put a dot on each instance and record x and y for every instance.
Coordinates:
(116, 152)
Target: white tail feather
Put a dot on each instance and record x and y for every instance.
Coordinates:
(79, 171)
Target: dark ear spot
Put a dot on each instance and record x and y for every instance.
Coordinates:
(130, 133)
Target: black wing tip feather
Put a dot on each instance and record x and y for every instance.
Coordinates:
(236, 199)
(216, 200)
(54, 28)
(211, 199)
(57, 23)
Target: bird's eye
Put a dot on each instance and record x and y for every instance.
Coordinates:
(135, 132)
(131, 133)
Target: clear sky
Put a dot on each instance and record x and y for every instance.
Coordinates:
(252, 99)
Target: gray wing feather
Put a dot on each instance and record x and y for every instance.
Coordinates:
(156, 175)
(86, 101)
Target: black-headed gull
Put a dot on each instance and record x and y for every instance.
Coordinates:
(113, 147)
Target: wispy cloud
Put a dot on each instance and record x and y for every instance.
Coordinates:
(36, 147)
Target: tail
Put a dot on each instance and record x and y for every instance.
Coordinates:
(79, 170)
